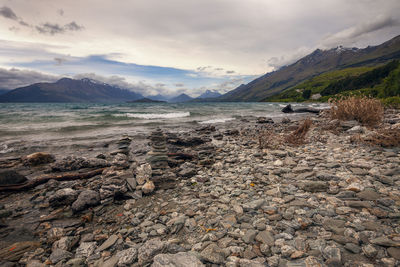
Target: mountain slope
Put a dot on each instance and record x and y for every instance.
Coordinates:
(180, 98)
(318, 62)
(3, 91)
(69, 90)
(209, 94)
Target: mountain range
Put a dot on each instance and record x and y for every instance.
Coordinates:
(70, 90)
(314, 64)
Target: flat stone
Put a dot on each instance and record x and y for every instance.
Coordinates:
(149, 249)
(249, 236)
(87, 198)
(266, 237)
(108, 243)
(127, 257)
(353, 248)
(60, 255)
(85, 249)
(315, 186)
(256, 204)
(11, 178)
(359, 204)
(212, 253)
(394, 252)
(180, 259)
(368, 194)
(17, 250)
(385, 242)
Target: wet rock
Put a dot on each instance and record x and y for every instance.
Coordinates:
(72, 163)
(11, 178)
(212, 253)
(263, 120)
(87, 198)
(59, 255)
(181, 259)
(38, 158)
(65, 196)
(149, 249)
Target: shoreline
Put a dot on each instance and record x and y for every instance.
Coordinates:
(223, 201)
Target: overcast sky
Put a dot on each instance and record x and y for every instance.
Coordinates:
(174, 46)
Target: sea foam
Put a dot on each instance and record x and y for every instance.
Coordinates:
(220, 120)
(150, 116)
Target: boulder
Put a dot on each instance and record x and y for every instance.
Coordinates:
(11, 178)
(38, 158)
(65, 196)
(86, 199)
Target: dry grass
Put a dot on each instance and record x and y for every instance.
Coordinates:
(383, 138)
(298, 136)
(367, 111)
(270, 139)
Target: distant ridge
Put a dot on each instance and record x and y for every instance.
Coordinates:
(180, 98)
(317, 62)
(70, 90)
(209, 94)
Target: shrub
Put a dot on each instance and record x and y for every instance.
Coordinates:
(367, 111)
(306, 94)
(383, 138)
(298, 136)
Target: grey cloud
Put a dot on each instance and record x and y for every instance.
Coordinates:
(179, 85)
(230, 71)
(8, 13)
(54, 28)
(351, 35)
(59, 61)
(60, 12)
(14, 78)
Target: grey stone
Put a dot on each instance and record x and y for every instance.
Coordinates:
(332, 255)
(385, 242)
(85, 249)
(353, 248)
(86, 199)
(127, 257)
(266, 237)
(212, 253)
(256, 204)
(369, 251)
(149, 249)
(62, 197)
(108, 243)
(181, 259)
(249, 236)
(394, 252)
(315, 186)
(59, 255)
(11, 177)
(368, 194)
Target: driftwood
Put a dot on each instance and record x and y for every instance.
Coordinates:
(289, 109)
(43, 179)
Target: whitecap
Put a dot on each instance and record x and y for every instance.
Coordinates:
(149, 116)
(220, 120)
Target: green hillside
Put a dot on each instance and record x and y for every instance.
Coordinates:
(382, 81)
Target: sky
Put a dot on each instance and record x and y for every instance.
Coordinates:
(178, 46)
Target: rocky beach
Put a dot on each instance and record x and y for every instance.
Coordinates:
(229, 194)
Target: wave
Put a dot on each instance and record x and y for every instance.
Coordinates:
(150, 116)
(220, 120)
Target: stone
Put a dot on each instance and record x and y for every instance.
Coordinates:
(332, 255)
(287, 251)
(385, 242)
(38, 158)
(65, 243)
(148, 187)
(11, 178)
(368, 194)
(315, 186)
(108, 243)
(369, 251)
(85, 249)
(65, 196)
(356, 129)
(127, 257)
(266, 237)
(87, 198)
(59, 255)
(288, 109)
(17, 250)
(256, 204)
(353, 248)
(150, 249)
(180, 259)
(263, 120)
(143, 173)
(212, 253)
(394, 252)
(249, 236)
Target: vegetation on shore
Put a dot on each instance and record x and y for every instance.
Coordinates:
(382, 82)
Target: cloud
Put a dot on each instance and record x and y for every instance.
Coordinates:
(54, 28)
(230, 71)
(59, 61)
(352, 34)
(60, 12)
(14, 78)
(179, 85)
(8, 13)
